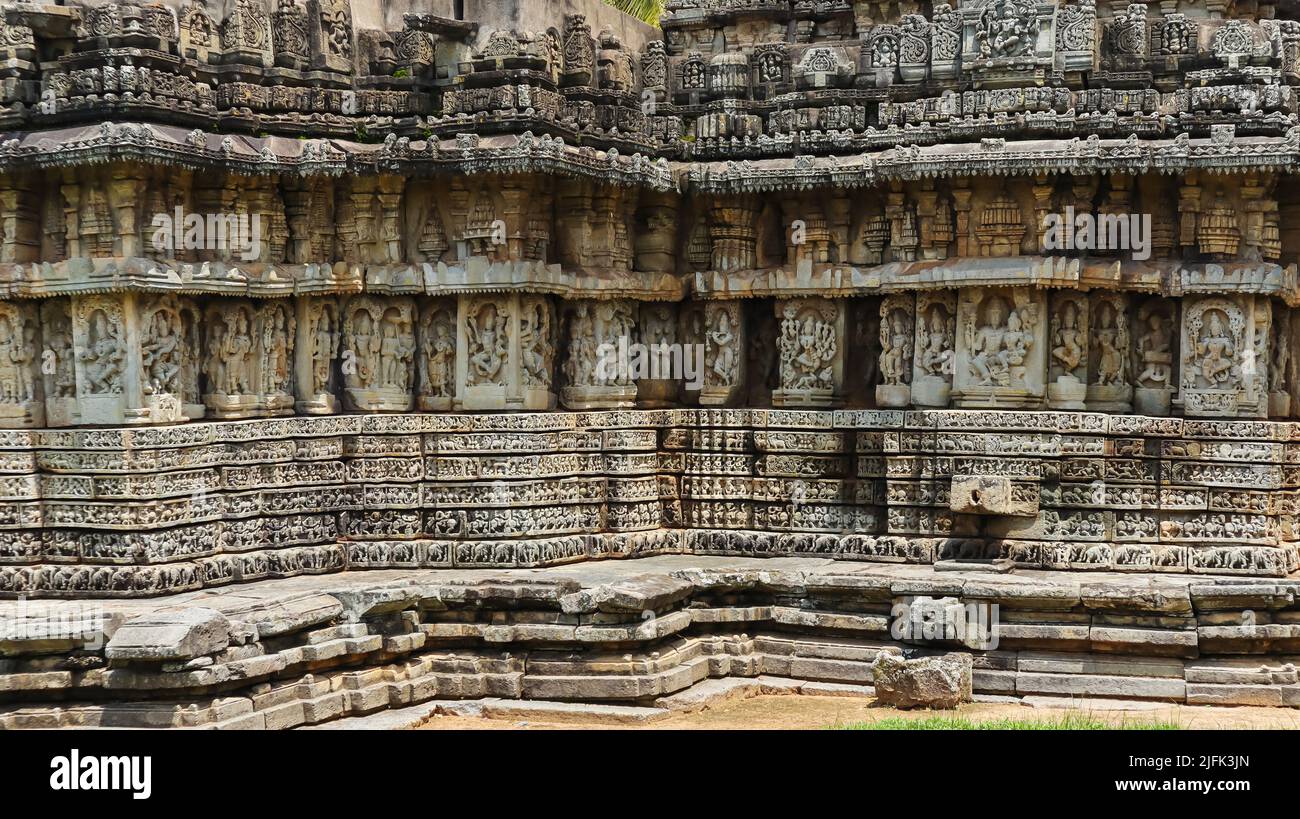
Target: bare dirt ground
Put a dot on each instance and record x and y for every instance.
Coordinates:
(807, 712)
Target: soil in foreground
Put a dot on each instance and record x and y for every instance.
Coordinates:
(808, 712)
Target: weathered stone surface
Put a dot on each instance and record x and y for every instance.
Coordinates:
(643, 593)
(925, 682)
(170, 635)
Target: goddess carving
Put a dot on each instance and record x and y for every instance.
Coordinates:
(160, 354)
(998, 346)
(437, 357)
(1218, 357)
(895, 352)
(489, 345)
(103, 360)
(1005, 29)
(535, 343)
(325, 347)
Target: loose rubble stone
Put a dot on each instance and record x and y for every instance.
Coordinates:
(924, 682)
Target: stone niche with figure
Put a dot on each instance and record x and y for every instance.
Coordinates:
(935, 348)
(316, 355)
(1155, 345)
(1225, 356)
(1068, 354)
(597, 365)
(669, 363)
(249, 362)
(1001, 353)
(506, 352)
(897, 345)
(719, 327)
(1110, 387)
(378, 354)
(21, 366)
(810, 352)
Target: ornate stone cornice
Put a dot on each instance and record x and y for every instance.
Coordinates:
(996, 157)
(466, 154)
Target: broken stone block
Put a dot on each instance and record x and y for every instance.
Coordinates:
(988, 495)
(943, 681)
(170, 635)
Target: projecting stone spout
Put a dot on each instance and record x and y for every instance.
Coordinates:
(991, 495)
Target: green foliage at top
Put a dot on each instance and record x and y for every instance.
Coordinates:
(648, 10)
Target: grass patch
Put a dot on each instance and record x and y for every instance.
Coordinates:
(1068, 722)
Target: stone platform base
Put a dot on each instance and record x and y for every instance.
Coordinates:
(306, 650)
(156, 511)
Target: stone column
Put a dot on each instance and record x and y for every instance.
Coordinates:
(810, 350)
(655, 243)
(126, 194)
(20, 225)
(732, 232)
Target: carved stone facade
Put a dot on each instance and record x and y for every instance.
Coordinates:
(311, 287)
(795, 278)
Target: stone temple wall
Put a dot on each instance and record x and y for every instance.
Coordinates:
(285, 292)
(158, 510)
